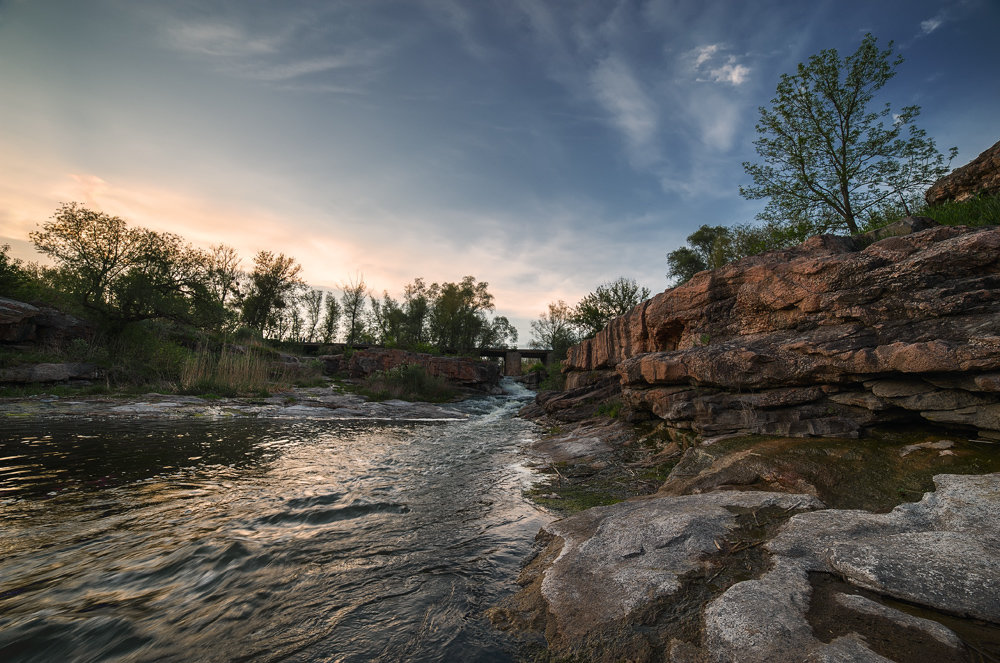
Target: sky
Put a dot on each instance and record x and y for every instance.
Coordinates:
(544, 147)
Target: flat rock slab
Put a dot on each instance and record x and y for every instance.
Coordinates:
(618, 558)
(941, 553)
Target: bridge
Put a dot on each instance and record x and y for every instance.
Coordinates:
(511, 358)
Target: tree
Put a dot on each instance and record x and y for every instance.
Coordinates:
(457, 319)
(271, 287)
(331, 318)
(824, 151)
(12, 274)
(608, 301)
(709, 247)
(554, 330)
(312, 300)
(353, 301)
(124, 274)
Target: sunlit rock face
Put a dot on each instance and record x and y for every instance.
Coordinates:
(981, 176)
(825, 338)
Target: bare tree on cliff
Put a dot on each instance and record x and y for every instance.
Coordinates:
(827, 157)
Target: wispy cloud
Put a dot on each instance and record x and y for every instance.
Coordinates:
(632, 112)
(220, 39)
(711, 64)
(931, 24)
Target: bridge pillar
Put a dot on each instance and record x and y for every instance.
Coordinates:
(512, 363)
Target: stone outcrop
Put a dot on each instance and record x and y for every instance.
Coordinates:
(49, 372)
(21, 322)
(659, 578)
(460, 371)
(826, 338)
(979, 176)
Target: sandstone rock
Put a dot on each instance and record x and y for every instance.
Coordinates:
(979, 176)
(904, 325)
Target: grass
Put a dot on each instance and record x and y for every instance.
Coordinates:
(978, 211)
(408, 383)
(232, 373)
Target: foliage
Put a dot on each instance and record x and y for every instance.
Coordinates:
(122, 274)
(331, 318)
(353, 309)
(610, 300)
(710, 247)
(828, 158)
(555, 330)
(13, 276)
(270, 289)
(407, 382)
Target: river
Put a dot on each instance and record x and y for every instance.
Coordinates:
(262, 540)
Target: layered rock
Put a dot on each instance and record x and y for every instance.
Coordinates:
(460, 371)
(979, 176)
(21, 322)
(825, 338)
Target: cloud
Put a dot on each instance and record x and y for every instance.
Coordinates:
(931, 24)
(731, 72)
(708, 61)
(632, 112)
(220, 40)
(294, 69)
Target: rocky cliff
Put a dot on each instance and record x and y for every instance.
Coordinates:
(827, 338)
(981, 176)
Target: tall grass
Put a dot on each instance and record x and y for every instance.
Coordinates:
(978, 211)
(230, 373)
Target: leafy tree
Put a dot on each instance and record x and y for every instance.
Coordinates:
(388, 320)
(824, 151)
(271, 287)
(608, 301)
(222, 267)
(312, 301)
(353, 310)
(416, 308)
(331, 318)
(92, 249)
(709, 247)
(555, 329)
(457, 320)
(12, 274)
(124, 274)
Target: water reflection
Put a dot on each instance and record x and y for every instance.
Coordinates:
(250, 540)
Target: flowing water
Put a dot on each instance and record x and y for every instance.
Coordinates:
(262, 540)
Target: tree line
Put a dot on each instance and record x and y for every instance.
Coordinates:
(116, 275)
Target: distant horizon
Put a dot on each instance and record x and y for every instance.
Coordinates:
(544, 148)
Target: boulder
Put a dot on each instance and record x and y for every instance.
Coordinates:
(826, 338)
(21, 322)
(979, 176)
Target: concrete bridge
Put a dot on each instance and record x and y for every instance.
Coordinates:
(511, 358)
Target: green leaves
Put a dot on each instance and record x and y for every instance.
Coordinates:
(825, 150)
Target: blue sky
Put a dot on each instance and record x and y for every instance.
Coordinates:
(543, 147)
